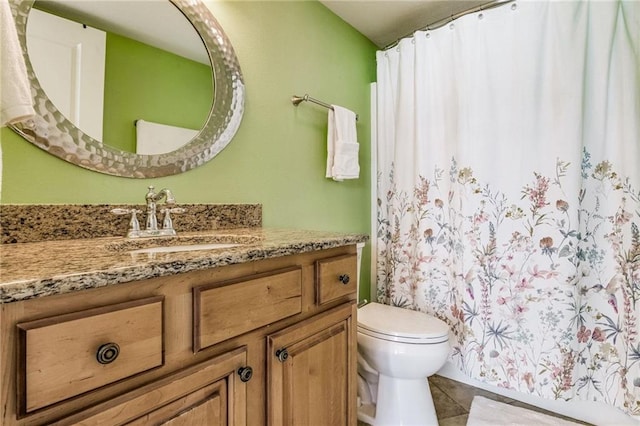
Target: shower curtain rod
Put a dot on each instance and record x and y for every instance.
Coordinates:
(442, 22)
(297, 100)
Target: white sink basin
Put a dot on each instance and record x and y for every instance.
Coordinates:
(192, 247)
(181, 243)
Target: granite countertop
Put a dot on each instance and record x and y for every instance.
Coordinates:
(37, 269)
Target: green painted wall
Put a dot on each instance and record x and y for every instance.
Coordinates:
(144, 82)
(278, 156)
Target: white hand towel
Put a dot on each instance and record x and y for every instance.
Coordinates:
(153, 138)
(342, 145)
(16, 104)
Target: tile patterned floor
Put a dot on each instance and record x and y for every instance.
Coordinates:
(453, 401)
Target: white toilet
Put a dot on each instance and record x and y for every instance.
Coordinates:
(397, 350)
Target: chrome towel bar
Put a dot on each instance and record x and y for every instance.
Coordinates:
(297, 100)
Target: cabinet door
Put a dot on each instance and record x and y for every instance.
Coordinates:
(209, 394)
(311, 371)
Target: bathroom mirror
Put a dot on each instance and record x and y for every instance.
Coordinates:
(52, 131)
(106, 64)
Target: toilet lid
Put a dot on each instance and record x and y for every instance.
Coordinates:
(401, 325)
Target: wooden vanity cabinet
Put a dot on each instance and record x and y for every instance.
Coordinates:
(212, 344)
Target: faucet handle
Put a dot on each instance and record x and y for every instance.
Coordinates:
(167, 222)
(175, 210)
(120, 211)
(134, 225)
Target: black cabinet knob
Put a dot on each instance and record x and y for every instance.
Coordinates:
(344, 279)
(108, 353)
(282, 354)
(245, 373)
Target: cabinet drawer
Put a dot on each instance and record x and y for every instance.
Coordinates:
(336, 277)
(210, 393)
(230, 308)
(64, 356)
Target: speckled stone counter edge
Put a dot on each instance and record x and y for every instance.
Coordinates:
(58, 267)
(25, 223)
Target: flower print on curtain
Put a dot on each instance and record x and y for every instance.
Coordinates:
(509, 194)
(538, 301)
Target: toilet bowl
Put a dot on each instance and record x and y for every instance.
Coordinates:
(404, 347)
(397, 350)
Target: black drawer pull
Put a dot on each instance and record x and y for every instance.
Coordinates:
(344, 279)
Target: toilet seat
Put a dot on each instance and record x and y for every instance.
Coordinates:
(401, 325)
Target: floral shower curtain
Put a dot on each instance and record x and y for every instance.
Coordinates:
(508, 147)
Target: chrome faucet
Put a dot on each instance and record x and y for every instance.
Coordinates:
(152, 198)
(152, 230)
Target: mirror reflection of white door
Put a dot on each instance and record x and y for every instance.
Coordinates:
(69, 61)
